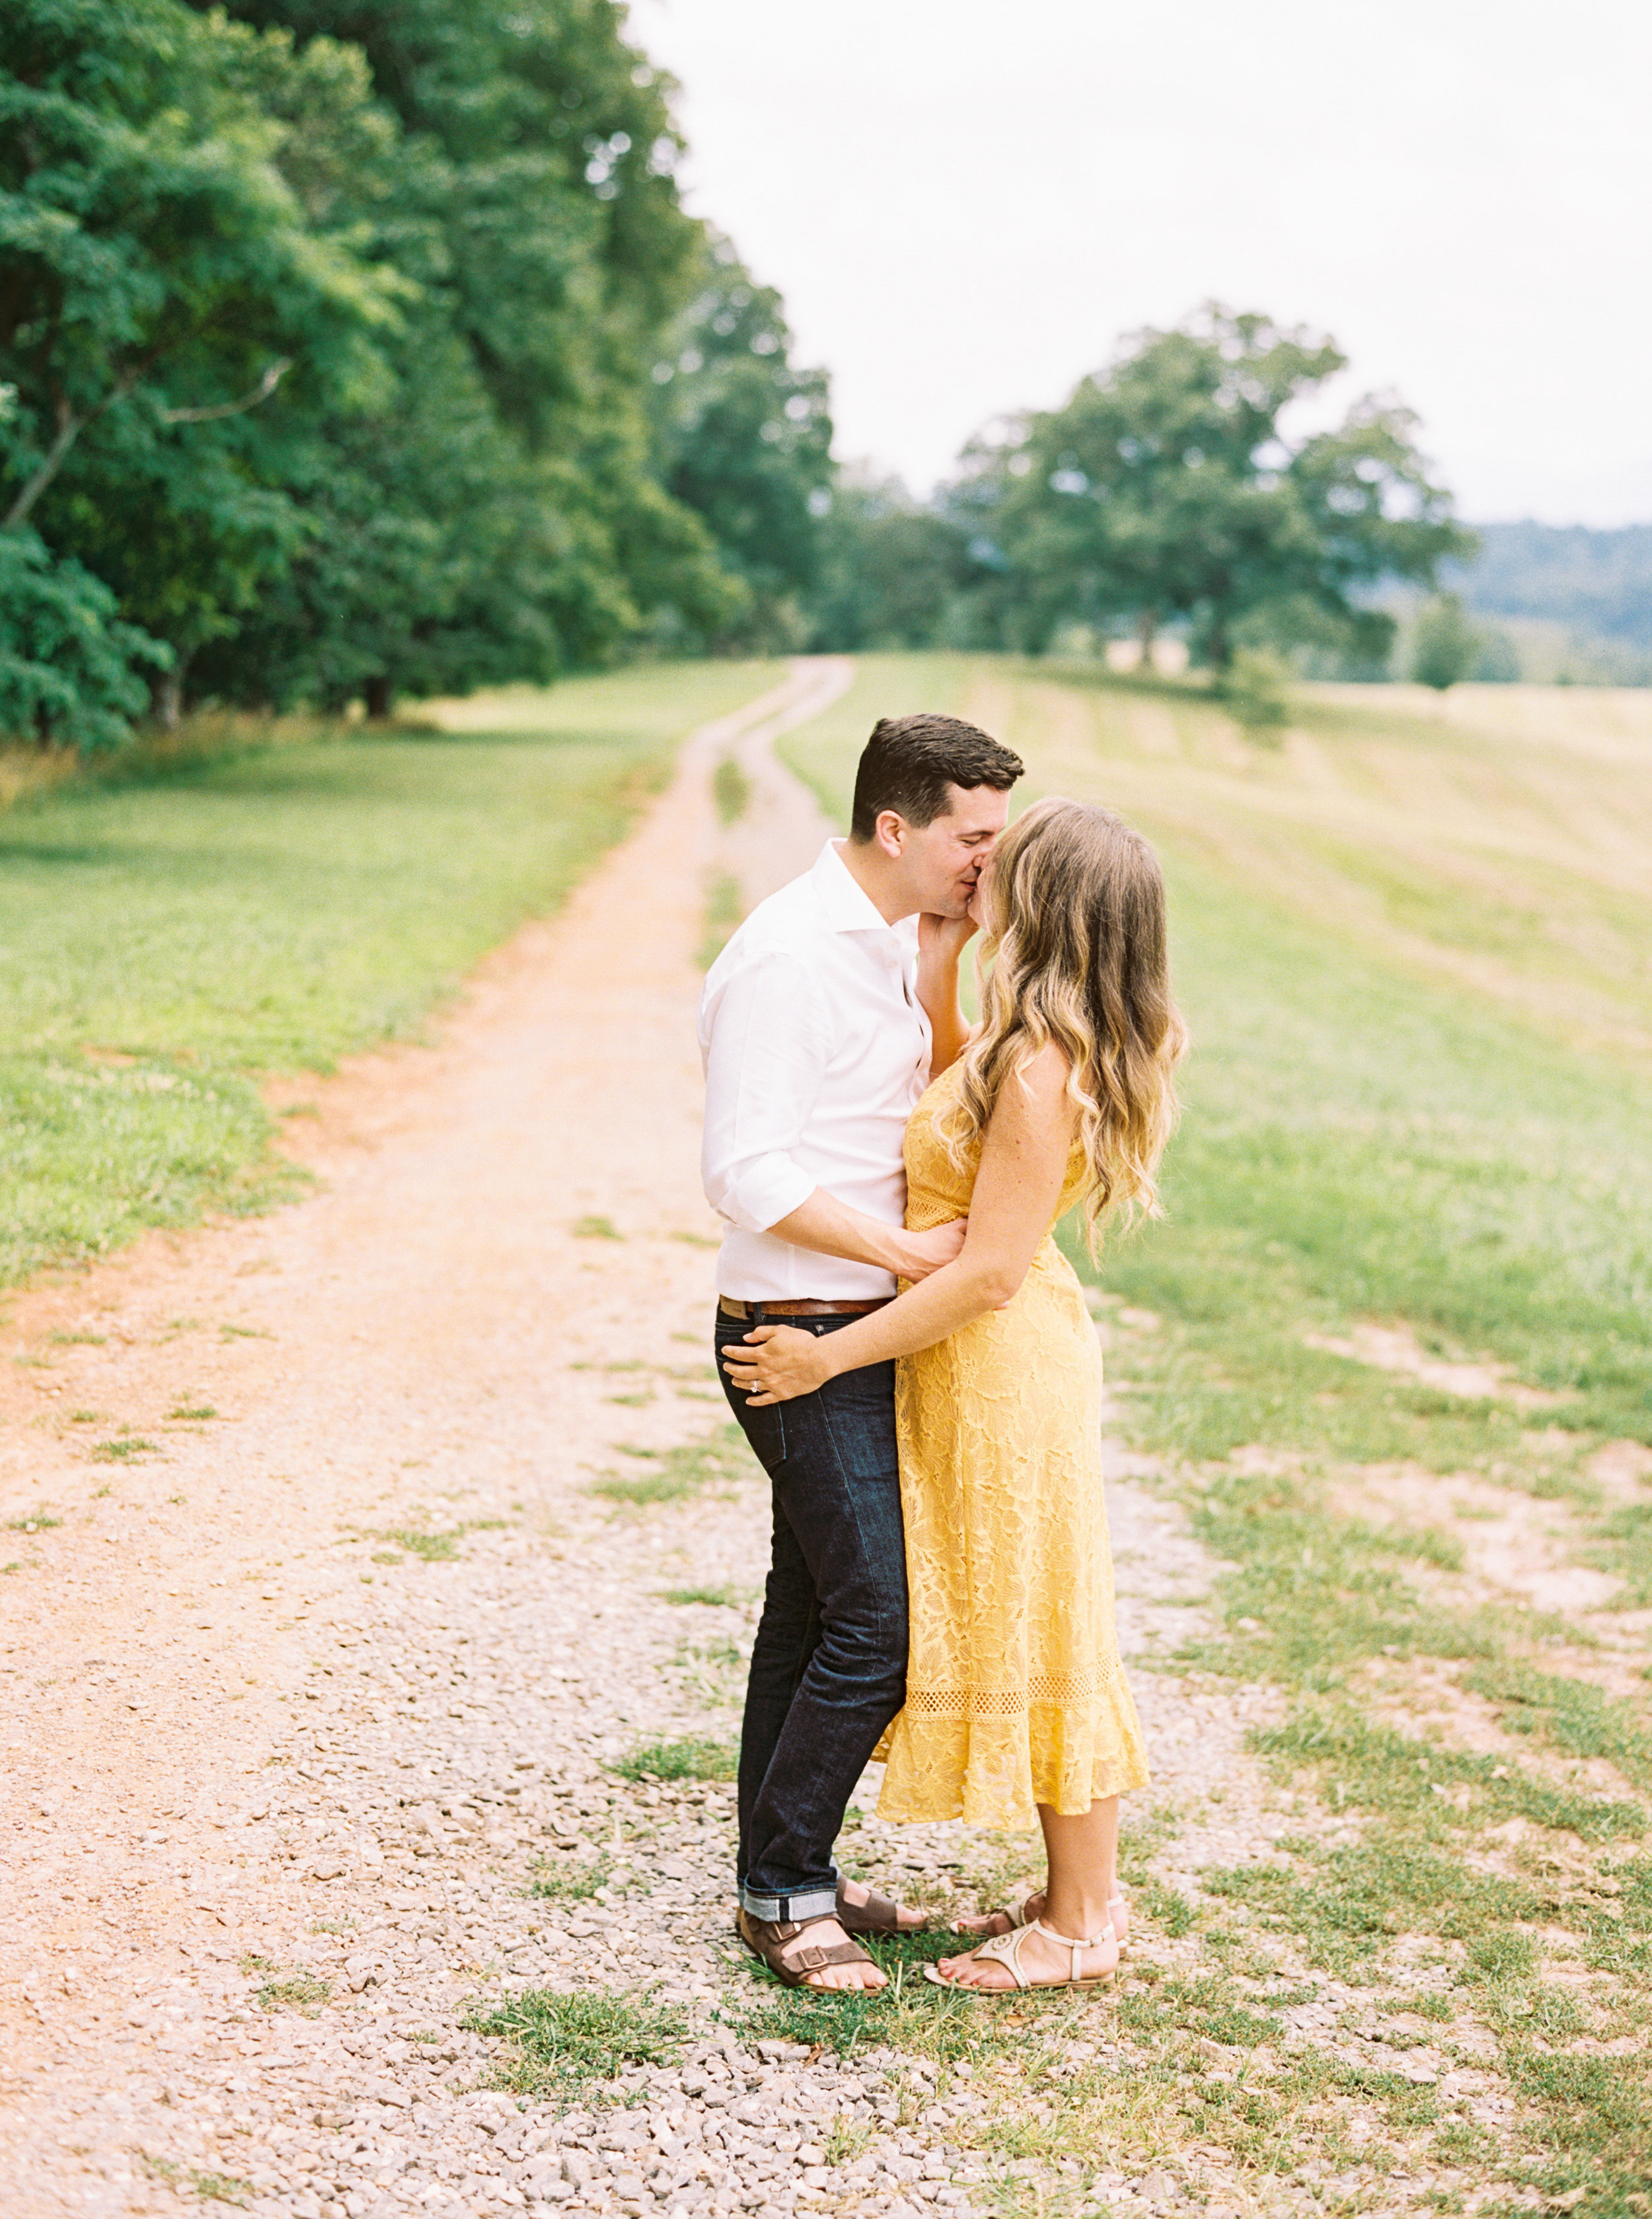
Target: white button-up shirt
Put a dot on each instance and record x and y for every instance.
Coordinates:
(816, 1049)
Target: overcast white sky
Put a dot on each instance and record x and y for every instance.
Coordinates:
(966, 202)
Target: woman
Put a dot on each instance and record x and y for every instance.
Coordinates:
(1062, 1099)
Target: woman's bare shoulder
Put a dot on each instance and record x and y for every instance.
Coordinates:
(1037, 1099)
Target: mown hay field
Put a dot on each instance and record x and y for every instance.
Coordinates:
(1391, 1348)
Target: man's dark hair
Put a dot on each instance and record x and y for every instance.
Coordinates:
(910, 761)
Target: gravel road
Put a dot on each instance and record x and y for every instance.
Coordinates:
(302, 1699)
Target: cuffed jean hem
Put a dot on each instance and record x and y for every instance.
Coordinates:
(806, 1902)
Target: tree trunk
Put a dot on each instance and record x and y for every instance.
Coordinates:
(1148, 633)
(377, 690)
(166, 696)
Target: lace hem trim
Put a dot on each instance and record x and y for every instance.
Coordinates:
(1069, 1690)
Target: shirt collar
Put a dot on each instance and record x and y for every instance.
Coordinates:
(848, 905)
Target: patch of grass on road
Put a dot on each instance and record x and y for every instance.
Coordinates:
(696, 1757)
(730, 790)
(678, 1474)
(553, 2042)
(300, 1991)
(568, 1880)
(163, 942)
(125, 1450)
(429, 1548)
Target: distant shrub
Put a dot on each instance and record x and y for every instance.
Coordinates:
(1257, 691)
(1446, 646)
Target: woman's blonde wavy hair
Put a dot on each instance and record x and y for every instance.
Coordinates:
(1074, 952)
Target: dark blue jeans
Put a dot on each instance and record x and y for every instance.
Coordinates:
(828, 1665)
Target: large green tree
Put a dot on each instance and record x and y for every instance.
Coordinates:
(170, 316)
(501, 513)
(326, 337)
(1166, 488)
(745, 439)
(895, 572)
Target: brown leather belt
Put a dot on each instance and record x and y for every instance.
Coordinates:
(731, 1306)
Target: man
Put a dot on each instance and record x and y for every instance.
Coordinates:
(818, 1030)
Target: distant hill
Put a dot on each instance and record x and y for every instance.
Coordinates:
(1596, 583)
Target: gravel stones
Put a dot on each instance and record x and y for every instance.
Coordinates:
(257, 1896)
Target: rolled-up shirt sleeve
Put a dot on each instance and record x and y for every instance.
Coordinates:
(770, 1037)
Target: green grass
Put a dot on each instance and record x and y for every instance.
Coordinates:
(681, 1473)
(161, 943)
(695, 1758)
(554, 2043)
(430, 1548)
(730, 790)
(568, 1880)
(300, 1991)
(32, 1521)
(1569, 1715)
(723, 1598)
(725, 908)
(1419, 1094)
(1435, 1791)
(220, 2187)
(714, 1673)
(1353, 1145)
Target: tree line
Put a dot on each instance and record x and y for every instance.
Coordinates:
(1167, 489)
(366, 348)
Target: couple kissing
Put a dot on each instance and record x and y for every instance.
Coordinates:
(911, 1355)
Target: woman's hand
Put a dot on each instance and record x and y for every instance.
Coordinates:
(785, 1364)
(942, 940)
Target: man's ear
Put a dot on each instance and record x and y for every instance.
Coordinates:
(889, 830)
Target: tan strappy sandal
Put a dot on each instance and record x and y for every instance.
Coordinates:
(1006, 1948)
(1118, 1912)
(773, 1941)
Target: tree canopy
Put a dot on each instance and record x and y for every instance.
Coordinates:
(1166, 488)
(330, 331)
(745, 441)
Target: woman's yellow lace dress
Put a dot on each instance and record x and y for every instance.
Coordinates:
(1014, 1694)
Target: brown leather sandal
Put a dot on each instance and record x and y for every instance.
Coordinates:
(877, 1915)
(775, 1941)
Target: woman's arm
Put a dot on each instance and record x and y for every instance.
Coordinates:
(942, 942)
(1017, 1189)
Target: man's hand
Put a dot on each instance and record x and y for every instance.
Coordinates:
(782, 1364)
(920, 1253)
